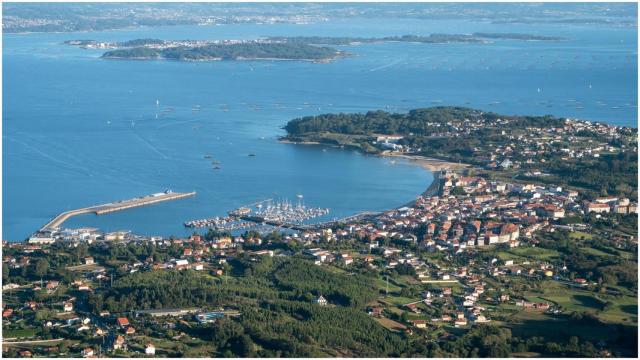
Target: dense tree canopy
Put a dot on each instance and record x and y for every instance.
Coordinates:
(230, 52)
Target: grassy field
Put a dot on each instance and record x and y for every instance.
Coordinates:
(520, 254)
(394, 309)
(527, 354)
(335, 270)
(390, 324)
(399, 300)
(381, 283)
(532, 323)
(534, 252)
(580, 235)
(627, 255)
(410, 280)
(84, 267)
(456, 287)
(39, 345)
(595, 251)
(191, 348)
(18, 333)
(623, 309)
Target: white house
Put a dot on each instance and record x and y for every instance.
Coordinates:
(320, 300)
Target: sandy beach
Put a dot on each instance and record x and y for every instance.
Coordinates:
(428, 163)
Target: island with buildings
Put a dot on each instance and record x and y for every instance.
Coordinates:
(508, 256)
(233, 50)
(310, 48)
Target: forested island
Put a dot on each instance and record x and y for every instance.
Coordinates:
(596, 158)
(240, 51)
(310, 48)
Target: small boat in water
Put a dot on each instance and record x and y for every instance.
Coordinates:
(207, 156)
(252, 154)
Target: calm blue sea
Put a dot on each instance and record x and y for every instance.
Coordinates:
(79, 131)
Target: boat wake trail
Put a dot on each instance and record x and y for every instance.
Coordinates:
(393, 63)
(151, 146)
(177, 123)
(71, 166)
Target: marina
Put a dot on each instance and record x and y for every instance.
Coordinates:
(285, 211)
(280, 213)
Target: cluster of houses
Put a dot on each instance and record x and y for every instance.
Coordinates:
(164, 44)
(87, 235)
(322, 256)
(575, 139)
(534, 146)
(486, 213)
(465, 306)
(610, 205)
(533, 305)
(466, 211)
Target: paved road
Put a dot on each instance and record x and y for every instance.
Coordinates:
(30, 341)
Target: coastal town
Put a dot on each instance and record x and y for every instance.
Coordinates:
(466, 252)
(107, 17)
(320, 180)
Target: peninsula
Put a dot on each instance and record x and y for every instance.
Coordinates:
(595, 158)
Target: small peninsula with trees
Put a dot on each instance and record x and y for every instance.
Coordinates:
(596, 158)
